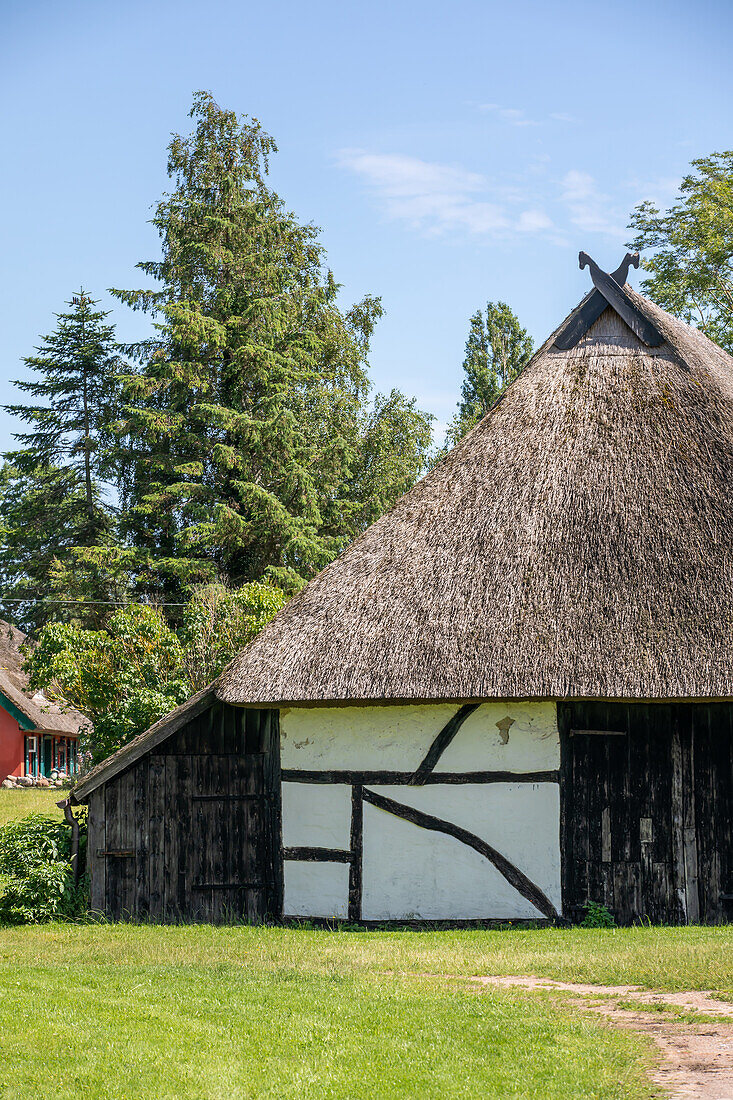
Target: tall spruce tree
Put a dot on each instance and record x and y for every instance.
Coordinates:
(44, 571)
(497, 349)
(52, 499)
(76, 369)
(246, 437)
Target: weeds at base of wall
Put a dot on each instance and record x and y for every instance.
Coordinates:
(598, 916)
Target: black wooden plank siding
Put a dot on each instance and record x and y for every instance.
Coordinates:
(199, 822)
(647, 818)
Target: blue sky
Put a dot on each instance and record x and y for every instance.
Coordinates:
(451, 153)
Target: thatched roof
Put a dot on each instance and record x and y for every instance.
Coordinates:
(577, 543)
(40, 712)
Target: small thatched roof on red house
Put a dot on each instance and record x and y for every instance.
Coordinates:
(40, 713)
(577, 543)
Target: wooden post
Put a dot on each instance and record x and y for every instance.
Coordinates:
(689, 826)
(356, 848)
(65, 805)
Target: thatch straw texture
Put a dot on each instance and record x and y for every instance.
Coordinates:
(577, 543)
(44, 715)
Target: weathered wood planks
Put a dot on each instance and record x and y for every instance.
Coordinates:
(647, 819)
(199, 821)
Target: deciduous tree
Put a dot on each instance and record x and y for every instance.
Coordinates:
(689, 248)
(497, 349)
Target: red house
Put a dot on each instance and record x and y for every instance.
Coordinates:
(37, 737)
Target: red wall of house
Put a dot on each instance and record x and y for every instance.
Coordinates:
(12, 746)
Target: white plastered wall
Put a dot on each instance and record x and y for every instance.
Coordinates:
(409, 872)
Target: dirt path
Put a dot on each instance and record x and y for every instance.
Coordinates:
(696, 1058)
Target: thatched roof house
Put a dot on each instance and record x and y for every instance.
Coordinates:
(37, 736)
(564, 578)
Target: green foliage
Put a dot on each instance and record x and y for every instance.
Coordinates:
(123, 677)
(218, 622)
(690, 271)
(497, 349)
(77, 368)
(136, 668)
(245, 440)
(395, 438)
(42, 520)
(597, 916)
(37, 882)
(51, 496)
(241, 441)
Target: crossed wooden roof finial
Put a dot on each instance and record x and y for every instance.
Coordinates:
(608, 290)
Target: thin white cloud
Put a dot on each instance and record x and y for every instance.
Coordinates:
(437, 198)
(513, 115)
(516, 116)
(662, 190)
(588, 208)
(532, 221)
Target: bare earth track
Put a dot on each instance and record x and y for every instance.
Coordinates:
(696, 1058)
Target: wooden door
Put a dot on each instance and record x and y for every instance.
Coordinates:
(646, 810)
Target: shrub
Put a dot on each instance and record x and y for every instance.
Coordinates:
(35, 865)
(597, 916)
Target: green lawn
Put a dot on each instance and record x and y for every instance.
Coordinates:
(30, 800)
(200, 1012)
(150, 1013)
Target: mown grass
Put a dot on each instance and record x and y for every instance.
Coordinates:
(199, 1012)
(116, 1011)
(30, 800)
(204, 1013)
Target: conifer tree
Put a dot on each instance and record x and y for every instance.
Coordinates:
(52, 500)
(43, 520)
(76, 370)
(497, 349)
(242, 442)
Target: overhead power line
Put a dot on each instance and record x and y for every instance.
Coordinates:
(95, 603)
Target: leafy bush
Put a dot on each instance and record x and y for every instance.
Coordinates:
(37, 881)
(219, 621)
(597, 916)
(136, 669)
(123, 678)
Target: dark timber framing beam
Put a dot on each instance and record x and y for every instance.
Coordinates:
(357, 852)
(318, 855)
(512, 874)
(403, 779)
(441, 743)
